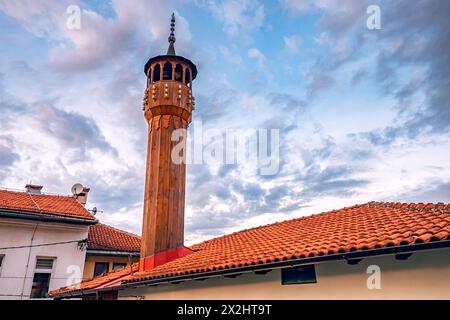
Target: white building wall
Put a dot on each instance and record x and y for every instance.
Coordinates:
(425, 275)
(17, 271)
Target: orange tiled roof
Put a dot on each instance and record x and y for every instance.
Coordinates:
(103, 237)
(43, 204)
(357, 228)
(109, 278)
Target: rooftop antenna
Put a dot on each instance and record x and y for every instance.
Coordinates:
(94, 210)
(77, 189)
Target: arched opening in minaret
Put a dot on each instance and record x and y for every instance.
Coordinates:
(187, 80)
(156, 73)
(167, 71)
(149, 77)
(179, 73)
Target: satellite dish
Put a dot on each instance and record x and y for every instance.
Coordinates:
(77, 188)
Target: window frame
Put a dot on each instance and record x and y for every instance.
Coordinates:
(289, 276)
(48, 271)
(101, 262)
(48, 284)
(53, 259)
(121, 265)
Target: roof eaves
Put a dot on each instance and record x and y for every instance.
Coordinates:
(297, 262)
(264, 267)
(31, 215)
(116, 252)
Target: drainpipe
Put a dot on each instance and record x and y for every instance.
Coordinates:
(28, 260)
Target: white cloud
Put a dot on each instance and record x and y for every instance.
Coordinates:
(100, 38)
(88, 127)
(38, 17)
(292, 44)
(298, 6)
(231, 55)
(261, 59)
(240, 17)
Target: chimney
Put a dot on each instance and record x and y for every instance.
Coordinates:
(168, 105)
(33, 188)
(83, 196)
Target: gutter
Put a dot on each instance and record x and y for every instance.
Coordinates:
(112, 253)
(17, 214)
(266, 267)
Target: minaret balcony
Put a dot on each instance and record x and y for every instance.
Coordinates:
(168, 97)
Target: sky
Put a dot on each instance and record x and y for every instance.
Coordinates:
(363, 114)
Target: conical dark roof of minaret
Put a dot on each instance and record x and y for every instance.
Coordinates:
(170, 55)
(171, 49)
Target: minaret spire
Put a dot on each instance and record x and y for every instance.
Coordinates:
(171, 49)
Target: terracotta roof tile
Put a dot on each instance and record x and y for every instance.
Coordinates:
(43, 204)
(361, 227)
(103, 237)
(100, 281)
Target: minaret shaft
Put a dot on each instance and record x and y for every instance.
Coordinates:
(164, 197)
(168, 106)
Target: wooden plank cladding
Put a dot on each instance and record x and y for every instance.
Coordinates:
(168, 106)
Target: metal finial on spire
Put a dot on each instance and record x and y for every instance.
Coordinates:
(171, 49)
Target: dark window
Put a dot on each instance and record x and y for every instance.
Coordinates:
(157, 73)
(100, 268)
(179, 73)
(298, 275)
(167, 71)
(1, 261)
(117, 265)
(40, 286)
(187, 80)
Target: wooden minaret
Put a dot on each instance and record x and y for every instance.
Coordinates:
(168, 106)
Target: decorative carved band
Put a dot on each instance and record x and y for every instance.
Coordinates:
(166, 121)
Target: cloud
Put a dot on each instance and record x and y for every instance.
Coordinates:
(70, 129)
(258, 56)
(292, 44)
(47, 144)
(37, 17)
(7, 156)
(319, 82)
(298, 6)
(84, 122)
(413, 40)
(231, 55)
(262, 71)
(239, 17)
(312, 166)
(436, 191)
(100, 40)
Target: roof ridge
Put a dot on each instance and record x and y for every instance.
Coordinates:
(421, 206)
(119, 230)
(309, 216)
(373, 204)
(41, 194)
(39, 204)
